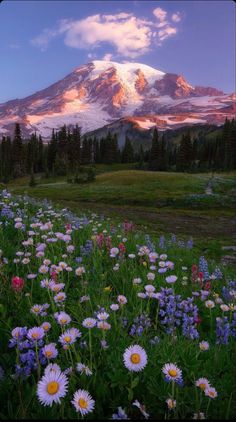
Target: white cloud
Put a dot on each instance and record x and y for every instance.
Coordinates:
(44, 38)
(107, 57)
(167, 32)
(176, 17)
(160, 13)
(129, 35)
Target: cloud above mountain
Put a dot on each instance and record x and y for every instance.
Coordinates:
(130, 36)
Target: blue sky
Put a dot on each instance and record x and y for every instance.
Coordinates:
(43, 41)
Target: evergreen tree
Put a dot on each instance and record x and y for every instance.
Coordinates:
(140, 157)
(233, 144)
(127, 155)
(61, 163)
(6, 159)
(162, 159)
(108, 156)
(227, 144)
(96, 149)
(154, 158)
(52, 152)
(32, 181)
(40, 155)
(184, 156)
(75, 150)
(87, 151)
(31, 154)
(17, 153)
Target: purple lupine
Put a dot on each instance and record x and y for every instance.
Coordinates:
(189, 244)
(149, 243)
(229, 291)
(233, 326)
(175, 312)
(218, 273)
(139, 324)
(223, 330)
(162, 242)
(203, 267)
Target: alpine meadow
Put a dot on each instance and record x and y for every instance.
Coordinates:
(117, 210)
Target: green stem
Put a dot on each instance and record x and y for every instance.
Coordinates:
(173, 390)
(90, 348)
(209, 401)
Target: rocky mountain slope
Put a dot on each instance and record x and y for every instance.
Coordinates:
(101, 92)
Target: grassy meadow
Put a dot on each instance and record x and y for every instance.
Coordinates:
(114, 301)
(158, 201)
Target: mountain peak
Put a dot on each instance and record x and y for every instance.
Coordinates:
(102, 91)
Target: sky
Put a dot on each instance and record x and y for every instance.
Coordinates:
(43, 41)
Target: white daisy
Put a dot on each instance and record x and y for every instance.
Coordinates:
(52, 387)
(209, 304)
(171, 279)
(83, 402)
(83, 369)
(172, 372)
(121, 299)
(50, 351)
(142, 408)
(102, 316)
(114, 307)
(89, 322)
(204, 345)
(202, 383)
(135, 358)
(211, 392)
(151, 276)
(103, 325)
(171, 403)
(52, 367)
(199, 416)
(224, 308)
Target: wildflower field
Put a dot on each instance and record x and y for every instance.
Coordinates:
(101, 321)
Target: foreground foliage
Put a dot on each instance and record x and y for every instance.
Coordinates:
(132, 325)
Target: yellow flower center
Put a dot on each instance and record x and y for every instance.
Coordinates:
(202, 386)
(46, 327)
(172, 372)
(48, 353)
(63, 321)
(171, 404)
(67, 339)
(83, 403)
(35, 335)
(52, 387)
(211, 394)
(135, 358)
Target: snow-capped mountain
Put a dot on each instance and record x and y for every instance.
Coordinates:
(101, 92)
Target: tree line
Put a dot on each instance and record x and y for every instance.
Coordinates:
(67, 151)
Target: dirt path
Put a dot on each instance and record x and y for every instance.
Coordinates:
(209, 186)
(165, 220)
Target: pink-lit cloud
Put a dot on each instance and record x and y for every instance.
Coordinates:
(129, 35)
(160, 13)
(108, 57)
(176, 17)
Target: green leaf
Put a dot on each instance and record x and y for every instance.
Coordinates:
(135, 382)
(130, 394)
